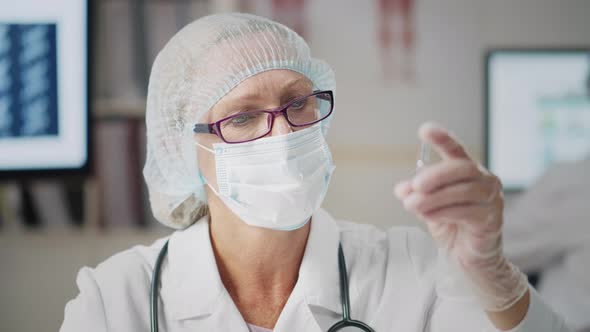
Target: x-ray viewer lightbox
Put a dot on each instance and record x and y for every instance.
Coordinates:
(43, 86)
(538, 111)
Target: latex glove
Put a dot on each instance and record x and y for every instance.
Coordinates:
(462, 205)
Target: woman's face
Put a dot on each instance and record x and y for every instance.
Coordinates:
(266, 90)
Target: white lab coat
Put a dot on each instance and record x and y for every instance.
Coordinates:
(547, 230)
(391, 276)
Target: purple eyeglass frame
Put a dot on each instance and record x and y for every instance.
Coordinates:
(215, 127)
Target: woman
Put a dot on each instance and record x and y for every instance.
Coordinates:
(236, 117)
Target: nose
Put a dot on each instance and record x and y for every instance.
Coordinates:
(280, 126)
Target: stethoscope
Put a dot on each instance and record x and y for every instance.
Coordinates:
(344, 298)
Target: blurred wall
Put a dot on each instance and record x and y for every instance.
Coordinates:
(374, 139)
(372, 135)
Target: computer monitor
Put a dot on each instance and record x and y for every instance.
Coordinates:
(537, 104)
(44, 108)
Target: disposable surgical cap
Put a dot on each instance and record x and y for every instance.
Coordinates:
(197, 67)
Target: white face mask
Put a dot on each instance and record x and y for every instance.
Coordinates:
(274, 182)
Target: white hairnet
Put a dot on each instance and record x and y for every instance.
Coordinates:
(197, 67)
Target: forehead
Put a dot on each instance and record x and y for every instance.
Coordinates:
(263, 90)
(232, 55)
(271, 81)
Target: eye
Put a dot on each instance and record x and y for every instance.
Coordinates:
(246, 119)
(241, 119)
(298, 104)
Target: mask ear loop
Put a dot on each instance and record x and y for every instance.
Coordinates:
(203, 181)
(208, 184)
(201, 177)
(204, 147)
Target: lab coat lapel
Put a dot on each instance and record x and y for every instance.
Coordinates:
(225, 317)
(318, 275)
(296, 316)
(318, 282)
(193, 295)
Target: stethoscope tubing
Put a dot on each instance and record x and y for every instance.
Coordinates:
(344, 297)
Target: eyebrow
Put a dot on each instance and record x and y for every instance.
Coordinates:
(257, 94)
(251, 96)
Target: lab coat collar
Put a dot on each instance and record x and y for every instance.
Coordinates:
(318, 275)
(196, 288)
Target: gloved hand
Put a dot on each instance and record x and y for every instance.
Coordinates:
(462, 205)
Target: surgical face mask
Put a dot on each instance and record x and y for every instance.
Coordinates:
(275, 182)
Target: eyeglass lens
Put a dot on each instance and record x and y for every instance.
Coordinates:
(250, 125)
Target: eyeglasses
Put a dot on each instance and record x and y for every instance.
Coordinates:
(251, 125)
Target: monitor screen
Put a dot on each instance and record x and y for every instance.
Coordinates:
(537, 111)
(43, 86)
